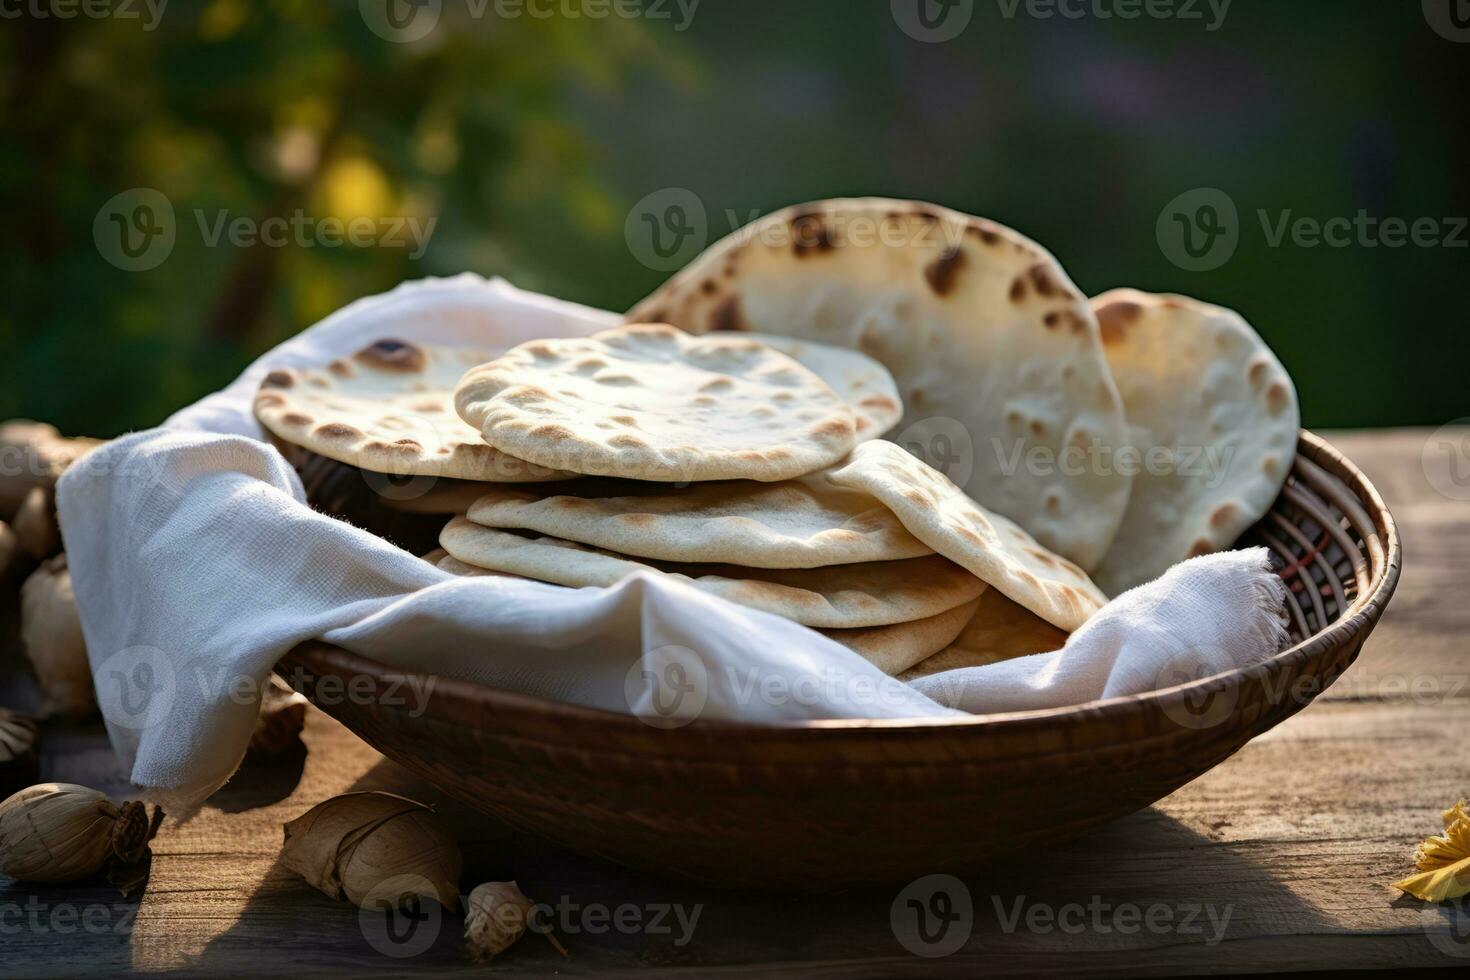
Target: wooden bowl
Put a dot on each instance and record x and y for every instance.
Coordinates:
(824, 802)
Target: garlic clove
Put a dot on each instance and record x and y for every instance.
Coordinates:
(497, 916)
(36, 526)
(57, 832)
(39, 455)
(51, 634)
(282, 718)
(350, 847)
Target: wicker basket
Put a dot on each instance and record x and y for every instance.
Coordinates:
(826, 802)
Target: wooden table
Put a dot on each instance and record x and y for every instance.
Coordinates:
(1278, 860)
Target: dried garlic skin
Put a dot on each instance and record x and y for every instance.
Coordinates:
(1443, 861)
(57, 832)
(498, 914)
(351, 845)
(51, 634)
(281, 720)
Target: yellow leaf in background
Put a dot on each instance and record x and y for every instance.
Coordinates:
(222, 19)
(354, 187)
(1443, 861)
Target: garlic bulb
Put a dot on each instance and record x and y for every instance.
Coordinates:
(51, 633)
(35, 524)
(352, 846)
(34, 455)
(282, 717)
(18, 737)
(62, 832)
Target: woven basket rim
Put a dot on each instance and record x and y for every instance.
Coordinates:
(1360, 617)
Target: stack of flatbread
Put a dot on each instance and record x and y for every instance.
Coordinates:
(1041, 438)
(728, 464)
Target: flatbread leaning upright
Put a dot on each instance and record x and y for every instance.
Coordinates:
(996, 353)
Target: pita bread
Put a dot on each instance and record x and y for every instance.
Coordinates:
(989, 341)
(861, 381)
(999, 630)
(843, 597)
(650, 402)
(389, 409)
(1202, 388)
(999, 552)
(894, 649)
(805, 523)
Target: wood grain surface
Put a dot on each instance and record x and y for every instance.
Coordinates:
(1280, 859)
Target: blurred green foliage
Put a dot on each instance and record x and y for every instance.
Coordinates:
(528, 140)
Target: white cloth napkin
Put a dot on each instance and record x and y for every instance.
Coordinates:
(197, 564)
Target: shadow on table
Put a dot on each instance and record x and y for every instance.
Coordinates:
(1143, 883)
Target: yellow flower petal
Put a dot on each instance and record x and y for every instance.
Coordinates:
(1441, 885)
(1443, 861)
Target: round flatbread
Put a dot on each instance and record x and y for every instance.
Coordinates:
(995, 351)
(999, 630)
(844, 597)
(1215, 423)
(862, 382)
(804, 523)
(995, 549)
(389, 409)
(650, 402)
(894, 649)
